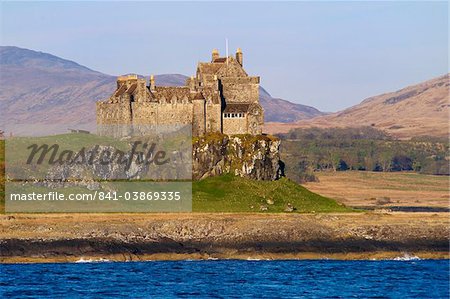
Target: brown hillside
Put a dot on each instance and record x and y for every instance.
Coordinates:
(417, 110)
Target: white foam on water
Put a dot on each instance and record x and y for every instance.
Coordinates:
(100, 260)
(406, 257)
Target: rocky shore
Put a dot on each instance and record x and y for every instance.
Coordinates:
(124, 237)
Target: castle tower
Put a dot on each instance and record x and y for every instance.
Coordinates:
(240, 56)
(199, 115)
(215, 55)
(192, 84)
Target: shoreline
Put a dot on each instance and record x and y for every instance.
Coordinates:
(37, 238)
(374, 256)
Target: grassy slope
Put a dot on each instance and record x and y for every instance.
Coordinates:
(228, 193)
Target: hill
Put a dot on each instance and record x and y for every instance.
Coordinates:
(42, 88)
(228, 193)
(417, 110)
(279, 110)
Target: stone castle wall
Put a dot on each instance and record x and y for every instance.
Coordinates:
(159, 113)
(203, 117)
(235, 125)
(213, 117)
(113, 113)
(242, 90)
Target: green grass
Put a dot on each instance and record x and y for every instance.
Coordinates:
(228, 193)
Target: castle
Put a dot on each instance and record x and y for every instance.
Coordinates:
(222, 97)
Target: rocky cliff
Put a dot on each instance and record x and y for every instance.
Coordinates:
(254, 157)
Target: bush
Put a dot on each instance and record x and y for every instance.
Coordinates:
(401, 162)
(342, 165)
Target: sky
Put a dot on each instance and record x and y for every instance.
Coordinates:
(329, 55)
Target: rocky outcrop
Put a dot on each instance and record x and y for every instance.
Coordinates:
(255, 157)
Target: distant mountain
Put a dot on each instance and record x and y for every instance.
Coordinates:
(417, 110)
(18, 57)
(41, 88)
(279, 110)
(37, 87)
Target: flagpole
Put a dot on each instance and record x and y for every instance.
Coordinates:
(226, 47)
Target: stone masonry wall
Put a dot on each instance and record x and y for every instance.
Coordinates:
(235, 125)
(240, 93)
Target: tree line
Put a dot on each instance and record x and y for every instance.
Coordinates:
(305, 151)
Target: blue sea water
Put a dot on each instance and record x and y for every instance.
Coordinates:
(229, 278)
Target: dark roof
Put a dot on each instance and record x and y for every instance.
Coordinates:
(220, 60)
(236, 108)
(121, 90)
(132, 88)
(207, 68)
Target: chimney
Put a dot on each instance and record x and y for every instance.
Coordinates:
(215, 55)
(152, 83)
(239, 57)
(192, 84)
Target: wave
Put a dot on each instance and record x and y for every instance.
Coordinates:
(100, 260)
(407, 257)
(253, 259)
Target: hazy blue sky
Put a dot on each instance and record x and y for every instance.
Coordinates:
(329, 55)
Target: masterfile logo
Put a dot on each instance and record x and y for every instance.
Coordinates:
(121, 169)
